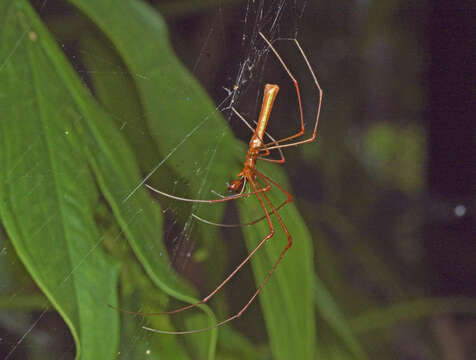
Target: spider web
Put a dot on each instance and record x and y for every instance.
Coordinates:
(239, 86)
(241, 83)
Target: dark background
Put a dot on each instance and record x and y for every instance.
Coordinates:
(450, 81)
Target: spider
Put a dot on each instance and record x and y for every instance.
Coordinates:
(258, 150)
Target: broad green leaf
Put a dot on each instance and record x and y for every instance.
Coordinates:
(115, 93)
(115, 89)
(200, 140)
(47, 193)
(188, 130)
(118, 95)
(53, 133)
(287, 298)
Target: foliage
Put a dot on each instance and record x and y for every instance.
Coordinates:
(64, 154)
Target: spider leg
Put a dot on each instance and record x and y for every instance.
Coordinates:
(260, 197)
(258, 191)
(267, 180)
(204, 300)
(266, 151)
(212, 201)
(281, 255)
(282, 160)
(277, 144)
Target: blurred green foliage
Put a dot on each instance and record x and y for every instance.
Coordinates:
(397, 156)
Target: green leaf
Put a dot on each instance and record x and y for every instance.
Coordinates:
(197, 122)
(116, 94)
(52, 135)
(287, 298)
(201, 139)
(47, 191)
(135, 342)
